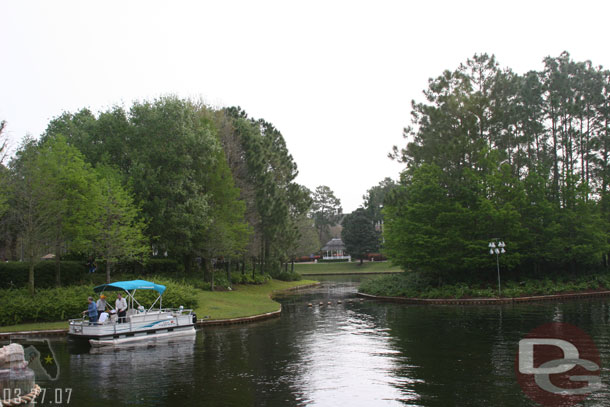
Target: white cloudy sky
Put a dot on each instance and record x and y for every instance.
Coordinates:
(336, 77)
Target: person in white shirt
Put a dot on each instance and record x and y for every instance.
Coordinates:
(121, 307)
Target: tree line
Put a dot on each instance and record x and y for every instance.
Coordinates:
(165, 178)
(518, 157)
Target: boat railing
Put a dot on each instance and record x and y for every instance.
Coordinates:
(131, 317)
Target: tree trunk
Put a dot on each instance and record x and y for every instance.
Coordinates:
(31, 277)
(108, 270)
(57, 265)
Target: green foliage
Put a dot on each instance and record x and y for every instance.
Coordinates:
(57, 304)
(15, 274)
(496, 155)
(151, 266)
(52, 304)
(238, 278)
(374, 199)
(118, 228)
(288, 276)
(423, 285)
(359, 234)
(326, 210)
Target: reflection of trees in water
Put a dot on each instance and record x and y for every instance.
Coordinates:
(465, 355)
(145, 374)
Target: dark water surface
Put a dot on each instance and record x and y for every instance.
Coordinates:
(351, 354)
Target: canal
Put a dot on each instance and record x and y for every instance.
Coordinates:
(346, 353)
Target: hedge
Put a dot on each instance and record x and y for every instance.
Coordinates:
(63, 303)
(15, 274)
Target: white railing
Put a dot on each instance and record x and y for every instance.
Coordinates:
(348, 258)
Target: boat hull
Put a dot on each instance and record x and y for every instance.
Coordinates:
(143, 337)
(136, 328)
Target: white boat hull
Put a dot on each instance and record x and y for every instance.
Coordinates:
(143, 337)
(138, 327)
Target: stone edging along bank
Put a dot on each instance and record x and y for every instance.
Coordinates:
(199, 323)
(486, 301)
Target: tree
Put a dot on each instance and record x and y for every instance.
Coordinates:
(119, 228)
(265, 172)
(25, 201)
(164, 149)
(308, 241)
(64, 183)
(375, 198)
(226, 236)
(3, 172)
(326, 210)
(496, 154)
(359, 234)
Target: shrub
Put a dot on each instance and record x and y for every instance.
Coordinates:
(63, 303)
(288, 276)
(15, 274)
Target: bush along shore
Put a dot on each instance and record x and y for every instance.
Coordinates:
(51, 308)
(419, 285)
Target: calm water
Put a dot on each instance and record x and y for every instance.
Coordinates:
(355, 353)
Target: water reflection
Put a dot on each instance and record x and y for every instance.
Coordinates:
(143, 374)
(354, 353)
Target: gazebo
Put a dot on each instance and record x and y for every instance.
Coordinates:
(335, 250)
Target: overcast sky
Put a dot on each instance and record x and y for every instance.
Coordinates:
(335, 77)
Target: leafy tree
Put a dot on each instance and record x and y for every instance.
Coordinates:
(308, 241)
(375, 197)
(359, 234)
(59, 183)
(326, 210)
(226, 236)
(3, 172)
(119, 228)
(496, 154)
(265, 172)
(25, 202)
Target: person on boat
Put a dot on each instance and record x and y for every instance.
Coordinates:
(91, 310)
(101, 304)
(121, 307)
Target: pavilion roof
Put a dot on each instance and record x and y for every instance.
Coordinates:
(334, 244)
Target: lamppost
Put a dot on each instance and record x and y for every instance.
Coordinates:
(497, 250)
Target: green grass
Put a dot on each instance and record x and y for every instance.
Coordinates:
(35, 326)
(243, 301)
(346, 268)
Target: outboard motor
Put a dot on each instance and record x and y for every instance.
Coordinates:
(194, 318)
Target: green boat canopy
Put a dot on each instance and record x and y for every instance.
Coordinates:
(130, 285)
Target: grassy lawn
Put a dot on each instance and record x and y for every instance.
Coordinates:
(346, 268)
(35, 326)
(243, 301)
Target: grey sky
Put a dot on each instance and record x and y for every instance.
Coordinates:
(335, 77)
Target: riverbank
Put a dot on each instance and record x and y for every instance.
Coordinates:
(328, 269)
(419, 287)
(245, 301)
(487, 301)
